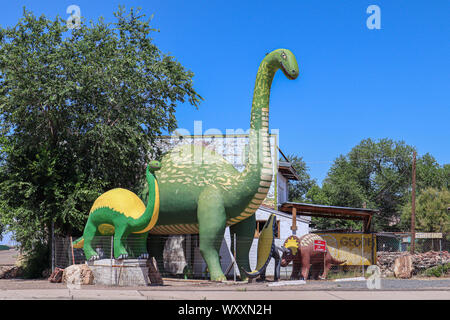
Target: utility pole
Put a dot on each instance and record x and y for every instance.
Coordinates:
(294, 221)
(413, 205)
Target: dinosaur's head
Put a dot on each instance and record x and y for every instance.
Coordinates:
(154, 165)
(285, 60)
(290, 250)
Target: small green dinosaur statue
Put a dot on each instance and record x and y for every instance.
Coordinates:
(201, 193)
(120, 212)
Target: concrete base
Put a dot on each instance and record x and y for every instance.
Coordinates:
(112, 272)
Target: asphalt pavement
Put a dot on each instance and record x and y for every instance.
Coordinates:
(389, 289)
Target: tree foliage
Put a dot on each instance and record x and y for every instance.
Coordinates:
(376, 174)
(431, 214)
(80, 111)
(298, 189)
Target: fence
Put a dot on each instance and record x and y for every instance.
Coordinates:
(401, 242)
(179, 256)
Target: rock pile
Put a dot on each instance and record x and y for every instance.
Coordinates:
(10, 272)
(79, 274)
(420, 261)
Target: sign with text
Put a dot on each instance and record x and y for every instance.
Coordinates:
(320, 245)
(356, 249)
(428, 235)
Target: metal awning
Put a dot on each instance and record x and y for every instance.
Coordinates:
(315, 210)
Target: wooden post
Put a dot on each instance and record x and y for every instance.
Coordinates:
(71, 246)
(413, 205)
(153, 272)
(294, 220)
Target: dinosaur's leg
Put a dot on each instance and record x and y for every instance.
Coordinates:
(88, 234)
(120, 235)
(296, 268)
(244, 231)
(140, 245)
(315, 271)
(306, 264)
(211, 221)
(327, 266)
(277, 258)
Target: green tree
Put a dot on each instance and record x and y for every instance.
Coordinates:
(377, 174)
(80, 111)
(298, 189)
(431, 211)
(430, 174)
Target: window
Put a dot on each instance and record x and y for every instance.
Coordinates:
(260, 225)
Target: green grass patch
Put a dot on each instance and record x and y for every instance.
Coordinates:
(438, 271)
(352, 272)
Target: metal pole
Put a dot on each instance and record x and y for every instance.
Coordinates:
(111, 268)
(53, 247)
(112, 245)
(362, 253)
(413, 205)
(234, 257)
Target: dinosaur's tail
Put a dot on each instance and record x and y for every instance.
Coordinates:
(265, 247)
(253, 274)
(336, 261)
(79, 243)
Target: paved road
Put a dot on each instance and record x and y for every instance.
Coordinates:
(392, 289)
(66, 294)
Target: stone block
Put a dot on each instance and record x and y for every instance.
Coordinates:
(127, 272)
(78, 274)
(403, 267)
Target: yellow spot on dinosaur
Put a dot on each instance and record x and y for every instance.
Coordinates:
(106, 229)
(121, 200)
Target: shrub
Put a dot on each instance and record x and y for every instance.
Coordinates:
(438, 271)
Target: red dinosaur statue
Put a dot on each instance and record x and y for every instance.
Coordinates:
(302, 252)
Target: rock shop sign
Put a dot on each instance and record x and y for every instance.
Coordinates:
(356, 249)
(428, 235)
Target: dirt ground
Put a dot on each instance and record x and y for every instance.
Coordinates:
(8, 257)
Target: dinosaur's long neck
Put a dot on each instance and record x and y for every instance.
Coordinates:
(258, 172)
(150, 216)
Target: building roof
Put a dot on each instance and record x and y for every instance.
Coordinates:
(270, 210)
(287, 170)
(315, 210)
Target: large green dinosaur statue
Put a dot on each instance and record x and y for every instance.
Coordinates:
(120, 212)
(201, 193)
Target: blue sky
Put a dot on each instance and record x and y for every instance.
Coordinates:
(354, 83)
